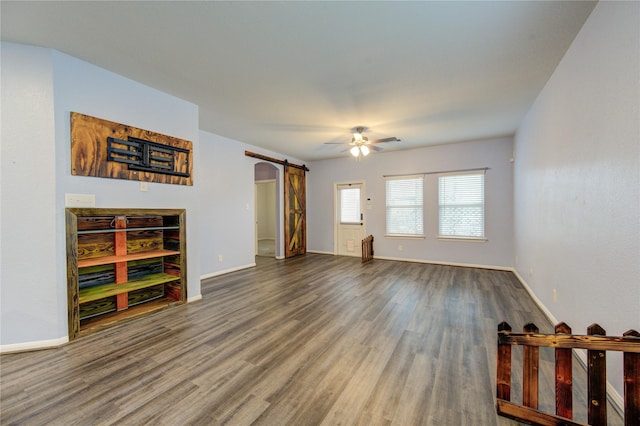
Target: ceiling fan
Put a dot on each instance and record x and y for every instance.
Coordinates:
(361, 145)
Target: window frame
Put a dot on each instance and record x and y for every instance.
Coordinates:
(341, 204)
(417, 207)
(482, 204)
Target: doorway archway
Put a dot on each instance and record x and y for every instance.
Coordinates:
(268, 235)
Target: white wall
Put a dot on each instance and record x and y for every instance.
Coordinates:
(227, 204)
(40, 89)
(29, 291)
(495, 154)
(577, 180)
(226, 199)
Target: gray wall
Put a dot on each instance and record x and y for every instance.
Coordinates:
(577, 180)
(226, 204)
(40, 88)
(495, 154)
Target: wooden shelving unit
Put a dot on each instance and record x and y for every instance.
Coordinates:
(123, 263)
(125, 258)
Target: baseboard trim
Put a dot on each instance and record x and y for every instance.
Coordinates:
(433, 262)
(614, 398)
(320, 252)
(34, 346)
(226, 271)
(194, 298)
(537, 301)
(436, 262)
(53, 343)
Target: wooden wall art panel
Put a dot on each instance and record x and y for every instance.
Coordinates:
(106, 149)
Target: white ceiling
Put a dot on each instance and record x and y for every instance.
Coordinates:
(289, 76)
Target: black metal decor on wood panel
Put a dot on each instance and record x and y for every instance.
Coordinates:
(146, 156)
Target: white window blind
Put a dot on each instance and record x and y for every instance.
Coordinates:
(461, 205)
(350, 205)
(405, 205)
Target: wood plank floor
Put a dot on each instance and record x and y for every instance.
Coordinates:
(314, 340)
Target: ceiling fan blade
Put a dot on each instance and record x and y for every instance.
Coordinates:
(391, 139)
(376, 148)
(338, 143)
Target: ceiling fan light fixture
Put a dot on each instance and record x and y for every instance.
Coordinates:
(360, 145)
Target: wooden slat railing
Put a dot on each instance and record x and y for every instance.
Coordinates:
(596, 343)
(367, 249)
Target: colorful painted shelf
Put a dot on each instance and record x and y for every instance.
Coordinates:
(121, 258)
(125, 258)
(99, 292)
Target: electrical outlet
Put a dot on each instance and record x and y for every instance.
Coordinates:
(143, 187)
(79, 200)
(400, 247)
(555, 295)
(220, 258)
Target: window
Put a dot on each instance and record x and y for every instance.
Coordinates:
(461, 205)
(404, 205)
(350, 205)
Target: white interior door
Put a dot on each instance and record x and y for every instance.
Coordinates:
(349, 219)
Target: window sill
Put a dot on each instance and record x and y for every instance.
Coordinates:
(405, 237)
(464, 239)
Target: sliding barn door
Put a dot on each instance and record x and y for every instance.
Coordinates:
(295, 222)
